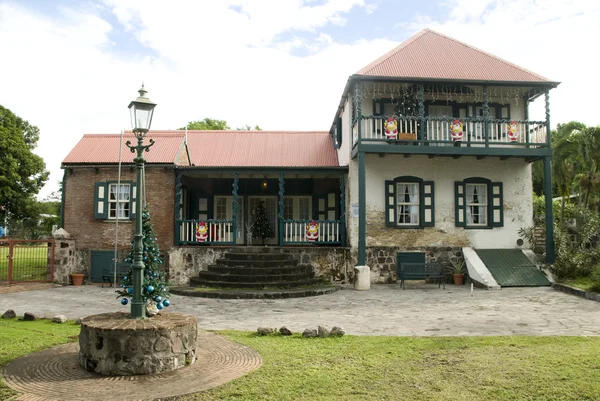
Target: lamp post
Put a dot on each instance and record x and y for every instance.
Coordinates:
(141, 110)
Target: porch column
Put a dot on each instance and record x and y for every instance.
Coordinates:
(486, 116)
(343, 209)
(421, 111)
(235, 206)
(526, 115)
(281, 208)
(550, 257)
(358, 94)
(362, 210)
(178, 202)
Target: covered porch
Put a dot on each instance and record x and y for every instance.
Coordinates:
(217, 207)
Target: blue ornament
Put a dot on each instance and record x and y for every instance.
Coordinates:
(124, 301)
(125, 278)
(150, 289)
(159, 306)
(154, 275)
(130, 290)
(166, 302)
(158, 298)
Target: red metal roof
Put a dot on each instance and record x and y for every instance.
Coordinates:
(261, 149)
(104, 148)
(431, 55)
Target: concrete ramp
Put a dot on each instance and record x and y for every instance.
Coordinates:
(511, 268)
(478, 272)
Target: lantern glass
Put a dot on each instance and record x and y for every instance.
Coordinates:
(141, 111)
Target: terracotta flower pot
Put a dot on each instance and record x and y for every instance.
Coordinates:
(77, 278)
(458, 279)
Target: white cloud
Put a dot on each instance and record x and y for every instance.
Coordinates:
(234, 60)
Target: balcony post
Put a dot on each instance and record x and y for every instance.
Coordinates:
(178, 202)
(550, 257)
(343, 209)
(281, 208)
(234, 207)
(358, 94)
(362, 210)
(486, 116)
(421, 111)
(526, 114)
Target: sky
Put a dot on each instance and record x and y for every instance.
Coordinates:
(72, 66)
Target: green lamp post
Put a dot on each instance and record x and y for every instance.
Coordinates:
(141, 110)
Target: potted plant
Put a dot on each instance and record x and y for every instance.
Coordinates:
(457, 269)
(77, 278)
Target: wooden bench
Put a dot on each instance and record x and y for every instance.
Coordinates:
(109, 274)
(422, 271)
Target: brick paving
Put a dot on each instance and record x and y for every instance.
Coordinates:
(55, 374)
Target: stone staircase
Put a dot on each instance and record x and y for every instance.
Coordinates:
(259, 272)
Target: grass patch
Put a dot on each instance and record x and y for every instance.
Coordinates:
(29, 262)
(584, 283)
(425, 368)
(19, 338)
(380, 368)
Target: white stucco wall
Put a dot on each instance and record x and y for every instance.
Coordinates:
(515, 175)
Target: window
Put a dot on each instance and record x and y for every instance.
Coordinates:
(297, 208)
(112, 200)
(118, 201)
(409, 202)
(478, 203)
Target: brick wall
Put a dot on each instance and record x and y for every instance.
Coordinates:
(91, 234)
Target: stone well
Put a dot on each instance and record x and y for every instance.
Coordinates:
(113, 344)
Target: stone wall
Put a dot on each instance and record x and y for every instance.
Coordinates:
(382, 259)
(330, 263)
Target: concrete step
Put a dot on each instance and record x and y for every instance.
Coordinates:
(198, 281)
(256, 263)
(251, 256)
(253, 294)
(255, 278)
(259, 270)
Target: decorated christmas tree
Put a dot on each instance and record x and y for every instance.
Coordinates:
(155, 290)
(261, 227)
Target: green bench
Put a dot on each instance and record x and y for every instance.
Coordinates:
(109, 274)
(422, 271)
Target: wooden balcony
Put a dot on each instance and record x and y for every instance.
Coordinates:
(451, 136)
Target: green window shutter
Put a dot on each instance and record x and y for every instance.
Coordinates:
(390, 203)
(459, 204)
(427, 208)
(339, 131)
(101, 201)
(496, 217)
(132, 197)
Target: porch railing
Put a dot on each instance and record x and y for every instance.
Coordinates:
(298, 232)
(437, 131)
(212, 231)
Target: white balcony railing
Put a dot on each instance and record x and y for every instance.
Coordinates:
(206, 232)
(312, 231)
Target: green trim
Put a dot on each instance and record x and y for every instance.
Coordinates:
(356, 78)
(281, 208)
(265, 170)
(178, 202)
(500, 207)
(362, 210)
(453, 151)
(343, 208)
(62, 199)
(460, 204)
(234, 207)
(132, 189)
(550, 255)
(390, 197)
(427, 197)
(103, 215)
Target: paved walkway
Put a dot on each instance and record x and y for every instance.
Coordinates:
(54, 374)
(384, 310)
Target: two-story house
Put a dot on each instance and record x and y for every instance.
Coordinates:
(429, 153)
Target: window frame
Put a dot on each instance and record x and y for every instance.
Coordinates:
(409, 204)
(494, 203)
(118, 201)
(468, 204)
(426, 203)
(102, 200)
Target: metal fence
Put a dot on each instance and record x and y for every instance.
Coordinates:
(26, 261)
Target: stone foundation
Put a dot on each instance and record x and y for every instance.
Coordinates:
(330, 263)
(113, 344)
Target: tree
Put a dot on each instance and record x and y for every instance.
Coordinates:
(22, 173)
(155, 289)
(261, 227)
(247, 127)
(207, 124)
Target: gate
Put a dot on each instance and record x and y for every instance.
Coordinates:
(26, 261)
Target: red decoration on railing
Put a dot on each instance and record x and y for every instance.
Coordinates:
(202, 231)
(456, 130)
(312, 231)
(513, 133)
(391, 128)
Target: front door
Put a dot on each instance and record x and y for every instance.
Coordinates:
(224, 211)
(271, 208)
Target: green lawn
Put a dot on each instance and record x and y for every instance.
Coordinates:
(584, 283)
(29, 262)
(383, 368)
